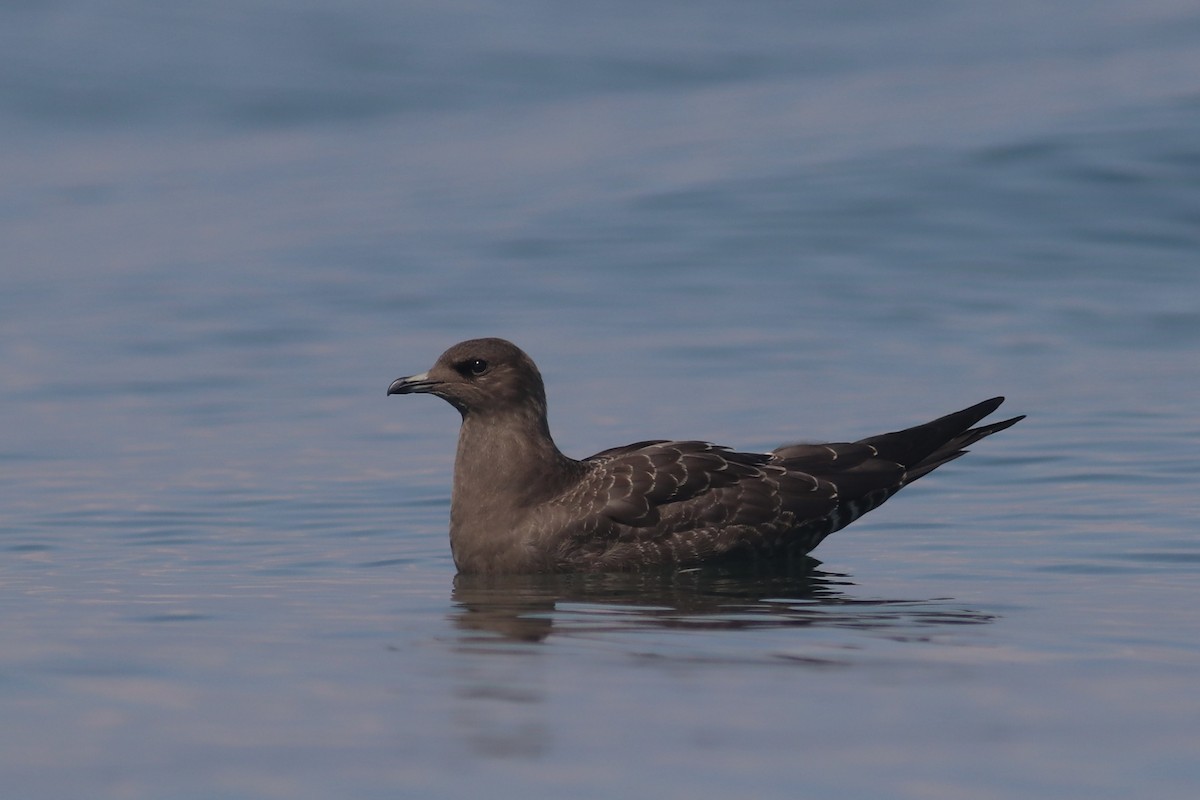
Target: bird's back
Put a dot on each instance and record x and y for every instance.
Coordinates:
(682, 503)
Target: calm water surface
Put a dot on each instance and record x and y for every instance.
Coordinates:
(224, 570)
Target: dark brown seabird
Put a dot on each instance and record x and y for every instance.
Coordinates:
(519, 505)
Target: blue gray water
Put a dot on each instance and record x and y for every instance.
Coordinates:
(227, 227)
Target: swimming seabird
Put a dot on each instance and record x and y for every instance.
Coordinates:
(519, 505)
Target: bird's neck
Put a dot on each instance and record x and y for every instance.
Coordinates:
(506, 464)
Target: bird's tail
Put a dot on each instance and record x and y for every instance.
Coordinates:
(924, 448)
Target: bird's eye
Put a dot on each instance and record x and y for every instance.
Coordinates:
(476, 366)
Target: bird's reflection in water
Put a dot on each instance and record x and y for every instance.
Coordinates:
(505, 620)
(532, 607)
